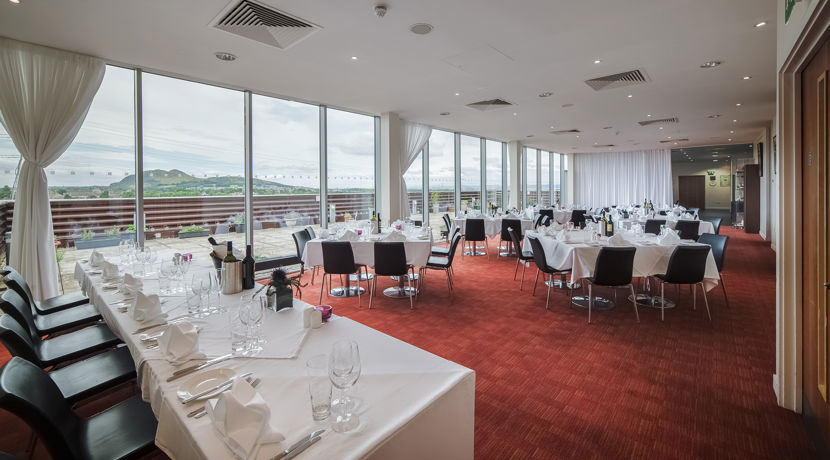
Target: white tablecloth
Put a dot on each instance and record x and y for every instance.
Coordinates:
(650, 259)
(492, 227)
(414, 404)
(417, 252)
(704, 227)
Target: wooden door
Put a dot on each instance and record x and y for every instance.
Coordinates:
(814, 215)
(692, 191)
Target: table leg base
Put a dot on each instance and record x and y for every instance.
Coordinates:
(413, 277)
(477, 253)
(363, 277)
(562, 284)
(645, 300)
(351, 291)
(399, 292)
(600, 303)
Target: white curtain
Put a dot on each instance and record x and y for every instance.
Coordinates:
(415, 137)
(44, 97)
(620, 178)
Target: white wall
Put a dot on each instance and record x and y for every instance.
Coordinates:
(717, 197)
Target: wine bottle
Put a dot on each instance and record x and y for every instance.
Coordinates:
(248, 269)
(212, 241)
(378, 223)
(229, 257)
(609, 228)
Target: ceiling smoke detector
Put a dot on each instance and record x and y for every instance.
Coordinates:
(421, 28)
(380, 11)
(222, 56)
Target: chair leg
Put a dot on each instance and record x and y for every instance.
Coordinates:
(372, 284)
(516, 271)
(547, 299)
(634, 301)
(590, 300)
(694, 296)
(449, 282)
(409, 282)
(662, 301)
(705, 301)
(487, 247)
(322, 288)
(313, 272)
(524, 267)
(723, 287)
(535, 281)
(358, 287)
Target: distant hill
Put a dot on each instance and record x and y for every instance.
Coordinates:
(159, 179)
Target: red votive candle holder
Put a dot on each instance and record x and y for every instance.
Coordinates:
(325, 310)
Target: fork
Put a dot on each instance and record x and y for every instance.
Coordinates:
(202, 411)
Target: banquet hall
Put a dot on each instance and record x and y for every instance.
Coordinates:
(386, 229)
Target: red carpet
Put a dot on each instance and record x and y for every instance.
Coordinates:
(550, 385)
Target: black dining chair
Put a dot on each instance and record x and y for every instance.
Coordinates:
(442, 263)
(541, 261)
(688, 229)
(301, 237)
(537, 221)
(124, 430)
(521, 255)
(474, 233)
(716, 224)
(504, 236)
(311, 233)
(15, 281)
(694, 212)
(718, 245)
(662, 213)
(653, 226)
(546, 212)
(687, 265)
(390, 260)
(448, 224)
(65, 347)
(443, 251)
(614, 268)
(545, 221)
(77, 380)
(61, 321)
(338, 259)
(578, 218)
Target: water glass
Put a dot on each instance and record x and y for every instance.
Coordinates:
(344, 370)
(239, 332)
(319, 387)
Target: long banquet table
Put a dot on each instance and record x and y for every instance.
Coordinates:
(413, 404)
(492, 226)
(580, 255)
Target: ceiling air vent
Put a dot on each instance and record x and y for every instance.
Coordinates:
(661, 121)
(264, 24)
(619, 80)
(604, 146)
(566, 131)
(491, 104)
(666, 141)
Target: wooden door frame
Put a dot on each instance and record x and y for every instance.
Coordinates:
(787, 381)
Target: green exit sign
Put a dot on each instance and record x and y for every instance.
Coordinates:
(788, 9)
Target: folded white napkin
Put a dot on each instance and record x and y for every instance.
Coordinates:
(130, 284)
(562, 235)
(395, 236)
(96, 258)
(180, 342)
(109, 270)
(243, 419)
(669, 239)
(147, 308)
(221, 250)
(617, 240)
(349, 235)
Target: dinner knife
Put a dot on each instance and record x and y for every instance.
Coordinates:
(215, 387)
(192, 369)
(305, 445)
(299, 443)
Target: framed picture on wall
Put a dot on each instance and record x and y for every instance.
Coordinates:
(725, 180)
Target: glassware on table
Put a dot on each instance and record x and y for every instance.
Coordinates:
(200, 286)
(165, 269)
(215, 291)
(570, 226)
(319, 387)
(238, 330)
(250, 313)
(344, 370)
(151, 256)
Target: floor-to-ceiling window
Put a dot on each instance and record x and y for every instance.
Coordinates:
(507, 180)
(286, 168)
(441, 178)
(531, 190)
(494, 172)
(544, 173)
(470, 171)
(193, 160)
(351, 165)
(557, 178)
(414, 178)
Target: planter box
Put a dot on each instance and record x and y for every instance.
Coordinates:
(127, 236)
(203, 233)
(98, 242)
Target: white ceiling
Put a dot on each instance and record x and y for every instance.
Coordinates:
(509, 49)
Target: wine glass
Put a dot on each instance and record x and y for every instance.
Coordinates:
(200, 286)
(250, 313)
(165, 273)
(151, 256)
(215, 290)
(344, 370)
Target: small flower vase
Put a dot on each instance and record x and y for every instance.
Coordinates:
(280, 297)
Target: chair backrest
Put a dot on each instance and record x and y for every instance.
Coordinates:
(390, 258)
(301, 237)
(662, 213)
(537, 221)
(516, 238)
(28, 392)
(688, 229)
(546, 212)
(687, 264)
(17, 340)
(716, 223)
(338, 257)
(509, 223)
(614, 266)
(447, 221)
(653, 226)
(15, 281)
(311, 233)
(578, 217)
(539, 254)
(453, 246)
(718, 245)
(474, 230)
(19, 309)
(545, 221)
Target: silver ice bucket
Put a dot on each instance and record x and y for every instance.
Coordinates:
(231, 277)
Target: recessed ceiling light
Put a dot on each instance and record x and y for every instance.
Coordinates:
(747, 77)
(668, 137)
(354, 58)
(630, 95)
(730, 140)
(734, 121)
(715, 115)
(577, 136)
(421, 28)
(546, 94)
(738, 104)
(761, 24)
(514, 114)
(675, 143)
(458, 94)
(648, 115)
(710, 64)
(714, 161)
(15, 1)
(223, 56)
(444, 114)
(750, 145)
(551, 126)
(731, 132)
(597, 61)
(660, 127)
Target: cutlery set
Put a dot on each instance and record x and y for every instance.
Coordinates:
(202, 411)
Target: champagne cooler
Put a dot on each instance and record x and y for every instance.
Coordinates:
(231, 277)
